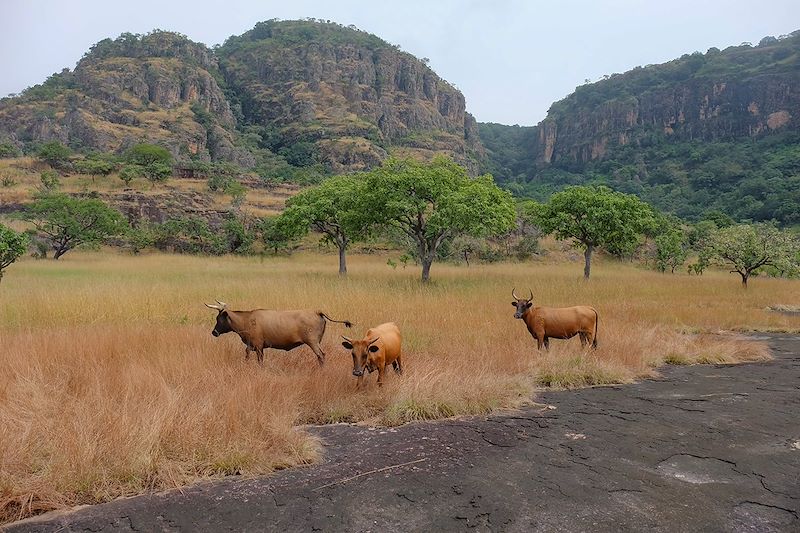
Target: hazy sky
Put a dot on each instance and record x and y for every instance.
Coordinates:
(510, 58)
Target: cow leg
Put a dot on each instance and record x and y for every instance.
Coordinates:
(547, 343)
(247, 351)
(381, 370)
(582, 335)
(398, 365)
(260, 354)
(318, 352)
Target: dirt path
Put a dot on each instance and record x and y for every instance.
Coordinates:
(705, 448)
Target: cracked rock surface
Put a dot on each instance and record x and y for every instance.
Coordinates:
(703, 448)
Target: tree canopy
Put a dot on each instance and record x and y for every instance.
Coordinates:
(434, 202)
(68, 222)
(12, 246)
(748, 248)
(335, 208)
(593, 217)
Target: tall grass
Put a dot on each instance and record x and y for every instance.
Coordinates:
(113, 385)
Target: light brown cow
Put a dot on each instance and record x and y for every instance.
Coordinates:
(379, 348)
(545, 323)
(266, 328)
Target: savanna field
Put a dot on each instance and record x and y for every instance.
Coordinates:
(113, 385)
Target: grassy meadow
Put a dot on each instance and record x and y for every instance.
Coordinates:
(112, 383)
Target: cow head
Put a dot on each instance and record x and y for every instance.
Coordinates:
(522, 304)
(223, 324)
(360, 350)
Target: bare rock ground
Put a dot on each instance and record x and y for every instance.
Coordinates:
(703, 448)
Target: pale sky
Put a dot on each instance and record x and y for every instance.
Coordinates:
(510, 58)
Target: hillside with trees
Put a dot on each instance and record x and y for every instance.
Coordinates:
(713, 131)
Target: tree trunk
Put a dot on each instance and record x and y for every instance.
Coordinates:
(744, 275)
(1, 276)
(426, 268)
(587, 256)
(342, 259)
(58, 253)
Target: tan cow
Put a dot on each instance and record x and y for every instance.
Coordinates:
(379, 348)
(545, 323)
(282, 330)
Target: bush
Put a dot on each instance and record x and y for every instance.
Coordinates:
(50, 181)
(54, 154)
(148, 154)
(9, 150)
(94, 167)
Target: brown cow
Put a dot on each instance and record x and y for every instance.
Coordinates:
(266, 328)
(557, 322)
(379, 347)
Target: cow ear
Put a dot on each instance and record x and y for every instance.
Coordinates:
(347, 345)
(513, 304)
(528, 305)
(373, 348)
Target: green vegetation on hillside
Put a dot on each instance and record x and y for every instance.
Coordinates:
(705, 132)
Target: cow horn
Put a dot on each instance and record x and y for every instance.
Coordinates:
(514, 293)
(531, 298)
(370, 343)
(210, 306)
(348, 340)
(223, 304)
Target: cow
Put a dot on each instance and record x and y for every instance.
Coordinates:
(545, 323)
(379, 348)
(267, 328)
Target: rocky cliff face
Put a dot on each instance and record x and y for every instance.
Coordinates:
(740, 92)
(313, 92)
(352, 95)
(160, 88)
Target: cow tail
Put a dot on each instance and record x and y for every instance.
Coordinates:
(596, 320)
(346, 323)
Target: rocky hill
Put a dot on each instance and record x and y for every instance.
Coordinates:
(161, 88)
(285, 95)
(347, 96)
(717, 129)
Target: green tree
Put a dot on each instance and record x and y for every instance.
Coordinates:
(130, 173)
(50, 181)
(54, 154)
(94, 167)
(334, 208)
(148, 154)
(747, 248)
(12, 246)
(434, 202)
(274, 235)
(154, 162)
(67, 222)
(671, 250)
(8, 150)
(593, 217)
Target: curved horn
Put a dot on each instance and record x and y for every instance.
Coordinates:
(531, 298)
(514, 293)
(348, 340)
(370, 343)
(216, 307)
(223, 304)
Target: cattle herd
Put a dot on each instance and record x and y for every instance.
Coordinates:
(381, 345)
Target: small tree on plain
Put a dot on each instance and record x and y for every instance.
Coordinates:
(593, 217)
(12, 246)
(747, 248)
(334, 209)
(69, 222)
(54, 154)
(671, 250)
(434, 202)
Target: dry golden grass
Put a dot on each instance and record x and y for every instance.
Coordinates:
(113, 384)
